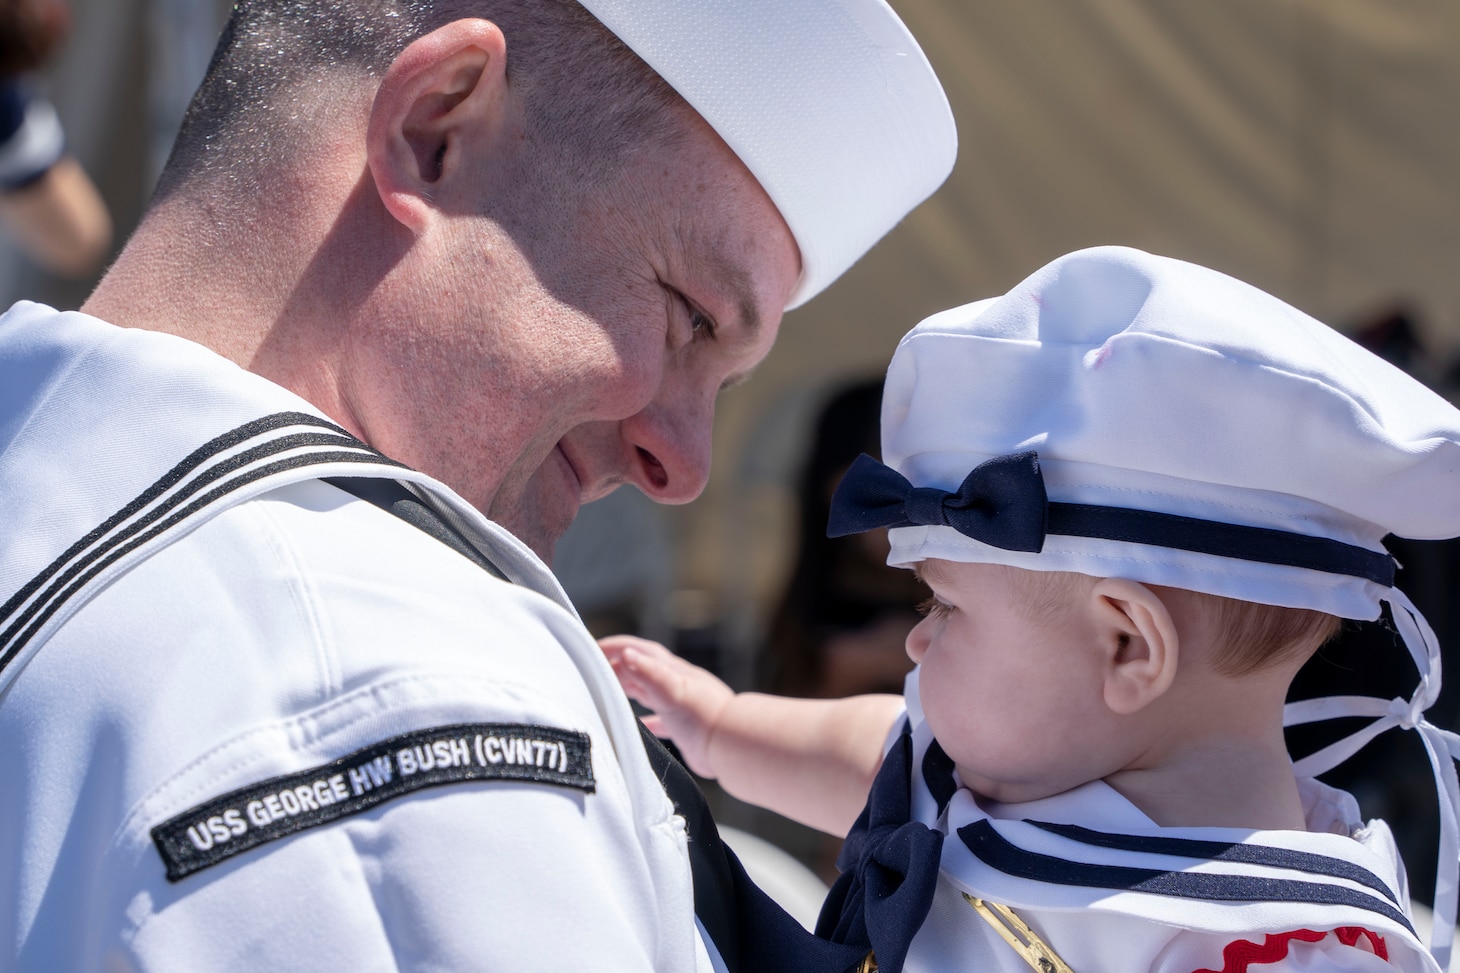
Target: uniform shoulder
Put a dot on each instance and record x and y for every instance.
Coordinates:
(384, 593)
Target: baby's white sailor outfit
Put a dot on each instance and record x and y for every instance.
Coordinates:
(1119, 414)
(1106, 889)
(253, 722)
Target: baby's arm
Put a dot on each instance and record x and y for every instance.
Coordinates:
(812, 760)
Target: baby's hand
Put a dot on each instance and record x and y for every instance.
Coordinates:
(686, 700)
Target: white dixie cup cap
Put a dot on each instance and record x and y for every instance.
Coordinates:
(831, 105)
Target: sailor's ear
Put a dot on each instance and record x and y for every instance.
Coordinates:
(1138, 643)
(442, 98)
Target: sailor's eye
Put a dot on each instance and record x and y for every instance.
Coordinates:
(700, 323)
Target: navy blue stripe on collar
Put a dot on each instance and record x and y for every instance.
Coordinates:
(27, 611)
(1225, 851)
(393, 497)
(993, 850)
(938, 775)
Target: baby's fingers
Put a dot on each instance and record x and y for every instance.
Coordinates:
(614, 646)
(641, 672)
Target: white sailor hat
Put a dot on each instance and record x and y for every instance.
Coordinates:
(1119, 414)
(830, 104)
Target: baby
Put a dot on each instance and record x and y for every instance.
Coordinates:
(1142, 495)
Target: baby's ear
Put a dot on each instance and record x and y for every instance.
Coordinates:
(1138, 643)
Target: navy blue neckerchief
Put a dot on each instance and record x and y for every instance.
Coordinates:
(889, 868)
(393, 497)
(752, 932)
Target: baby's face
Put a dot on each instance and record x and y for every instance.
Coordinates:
(1011, 681)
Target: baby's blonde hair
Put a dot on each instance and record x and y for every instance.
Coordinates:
(1255, 636)
(1251, 636)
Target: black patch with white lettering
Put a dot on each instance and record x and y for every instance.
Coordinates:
(262, 812)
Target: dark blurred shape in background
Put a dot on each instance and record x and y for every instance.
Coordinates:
(1391, 777)
(48, 204)
(840, 626)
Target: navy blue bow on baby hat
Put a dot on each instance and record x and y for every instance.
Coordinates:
(1001, 503)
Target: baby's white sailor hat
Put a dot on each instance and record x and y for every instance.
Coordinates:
(1119, 414)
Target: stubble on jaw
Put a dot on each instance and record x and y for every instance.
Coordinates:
(525, 510)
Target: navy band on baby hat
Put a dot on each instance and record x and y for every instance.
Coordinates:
(1186, 429)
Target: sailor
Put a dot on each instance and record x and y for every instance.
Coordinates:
(286, 680)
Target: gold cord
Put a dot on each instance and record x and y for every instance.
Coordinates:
(1016, 933)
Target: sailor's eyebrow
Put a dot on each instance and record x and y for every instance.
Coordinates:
(730, 281)
(742, 295)
(734, 286)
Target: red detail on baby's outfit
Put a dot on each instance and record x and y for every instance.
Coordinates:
(1242, 953)
(1349, 936)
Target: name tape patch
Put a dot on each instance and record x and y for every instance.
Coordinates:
(280, 806)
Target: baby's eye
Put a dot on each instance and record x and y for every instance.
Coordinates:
(934, 608)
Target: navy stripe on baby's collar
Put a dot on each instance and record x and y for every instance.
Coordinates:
(938, 775)
(995, 851)
(1224, 851)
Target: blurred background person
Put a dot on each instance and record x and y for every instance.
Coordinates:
(1391, 778)
(841, 625)
(48, 204)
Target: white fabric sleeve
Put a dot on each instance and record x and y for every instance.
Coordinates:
(257, 650)
(478, 876)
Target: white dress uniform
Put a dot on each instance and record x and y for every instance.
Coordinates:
(251, 722)
(1106, 889)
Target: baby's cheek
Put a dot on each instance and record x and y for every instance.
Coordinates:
(956, 719)
(999, 734)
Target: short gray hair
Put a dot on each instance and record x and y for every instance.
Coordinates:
(590, 99)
